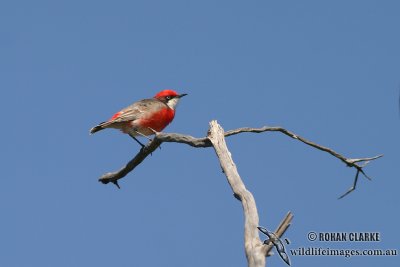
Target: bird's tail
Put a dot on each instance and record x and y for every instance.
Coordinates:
(97, 128)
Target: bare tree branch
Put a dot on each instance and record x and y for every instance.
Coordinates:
(113, 177)
(348, 161)
(252, 242)
(256, 250)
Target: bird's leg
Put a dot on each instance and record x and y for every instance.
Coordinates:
(131, 135)
(139, 133)
(145, 136)
(155, 132)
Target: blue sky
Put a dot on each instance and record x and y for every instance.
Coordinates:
(327, 70)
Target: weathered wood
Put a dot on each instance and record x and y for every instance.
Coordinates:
(256, 251)
(159, 138)
(252, 243)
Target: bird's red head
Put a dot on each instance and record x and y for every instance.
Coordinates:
(164, 93)
(169, 97)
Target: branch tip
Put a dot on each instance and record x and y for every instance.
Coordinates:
(116, 184)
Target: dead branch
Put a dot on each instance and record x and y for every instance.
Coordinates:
(113, 177)
(256, 250)
(252, 243)
(159, 138)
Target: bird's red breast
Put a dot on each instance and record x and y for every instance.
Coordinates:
(158, 120)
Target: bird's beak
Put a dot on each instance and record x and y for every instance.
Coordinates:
(182, 95)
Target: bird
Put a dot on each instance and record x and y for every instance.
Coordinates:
(144, 117)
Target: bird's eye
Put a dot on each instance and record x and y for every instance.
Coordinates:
(168, 97)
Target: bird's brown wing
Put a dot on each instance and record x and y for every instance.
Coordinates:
(137, 110)
(133, 112)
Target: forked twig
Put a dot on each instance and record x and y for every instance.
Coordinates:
(352, 163)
